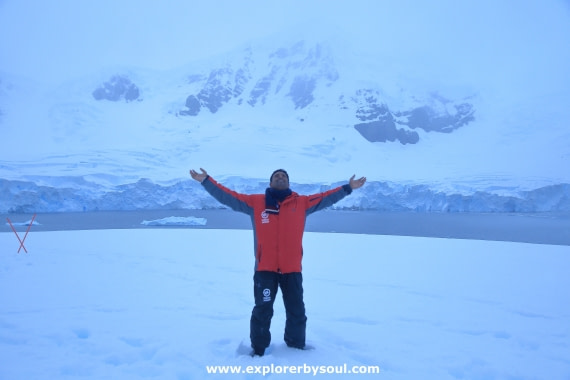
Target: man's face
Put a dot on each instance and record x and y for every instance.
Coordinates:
(279, 181)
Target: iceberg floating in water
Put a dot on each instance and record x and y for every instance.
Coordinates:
(176, 221)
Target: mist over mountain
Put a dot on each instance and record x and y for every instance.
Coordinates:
(301, 77)
(311, 105)
(308, 77)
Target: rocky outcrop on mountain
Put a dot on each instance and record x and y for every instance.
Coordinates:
(380, 124)
(299, 72)
(117, 88)
(293, 72)
(430, 120)
(222, 85)
(379, 121)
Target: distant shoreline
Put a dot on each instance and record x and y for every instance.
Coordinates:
(540, 228)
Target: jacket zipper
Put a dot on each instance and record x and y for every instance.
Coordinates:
(277, 241)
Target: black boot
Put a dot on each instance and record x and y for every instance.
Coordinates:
(257, 351)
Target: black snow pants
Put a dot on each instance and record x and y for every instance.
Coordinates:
(265, 290)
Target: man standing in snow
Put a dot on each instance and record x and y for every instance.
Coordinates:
(278, 219)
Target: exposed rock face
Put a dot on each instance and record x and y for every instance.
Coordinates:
(117, 88)
(380, 124)
(300, 72)
(293, 72)
(428, 119)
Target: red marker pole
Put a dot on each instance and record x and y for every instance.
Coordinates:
(18, 236)
(13, 229)
(28, 230)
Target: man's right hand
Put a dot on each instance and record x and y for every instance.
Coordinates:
(198, 176)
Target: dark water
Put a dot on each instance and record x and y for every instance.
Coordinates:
(543, 228)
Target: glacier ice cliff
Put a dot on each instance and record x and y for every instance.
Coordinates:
(76, 194)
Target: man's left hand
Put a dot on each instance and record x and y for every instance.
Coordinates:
(356, 183)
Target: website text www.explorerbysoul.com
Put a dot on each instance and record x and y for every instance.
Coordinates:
(293, 369)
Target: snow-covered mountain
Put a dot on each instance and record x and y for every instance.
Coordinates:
(125, 138)
(306, 77)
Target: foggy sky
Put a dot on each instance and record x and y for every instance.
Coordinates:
(515, 44)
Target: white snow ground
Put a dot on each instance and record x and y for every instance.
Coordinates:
(167, 303)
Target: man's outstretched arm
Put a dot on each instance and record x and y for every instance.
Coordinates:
(328, 198)
(200, 177)
(234, 200)
(356, 183)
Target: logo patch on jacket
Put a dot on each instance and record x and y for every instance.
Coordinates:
(264, 217)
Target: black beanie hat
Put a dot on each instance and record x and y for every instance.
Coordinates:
(278, 170)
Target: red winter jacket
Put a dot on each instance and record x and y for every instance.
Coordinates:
(278, 236)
